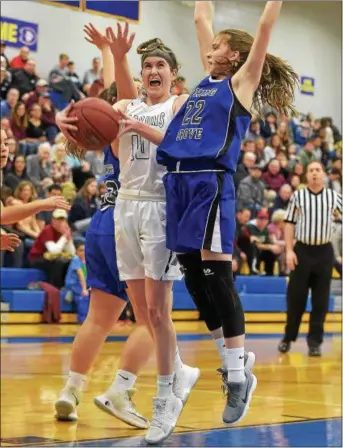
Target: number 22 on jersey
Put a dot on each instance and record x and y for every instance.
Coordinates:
(140, 148)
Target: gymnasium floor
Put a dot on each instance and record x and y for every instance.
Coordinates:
(297, 401)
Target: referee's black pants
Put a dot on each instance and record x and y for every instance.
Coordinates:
(313, 271)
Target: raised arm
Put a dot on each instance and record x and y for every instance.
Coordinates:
(247, 79)
(94, 37)
(120, 45)
(203, 15)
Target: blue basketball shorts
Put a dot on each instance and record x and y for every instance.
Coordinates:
(101, 258)
(200, 211)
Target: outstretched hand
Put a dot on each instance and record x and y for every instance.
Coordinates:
(94, 37)
(55, 202)
(9, 241)
(121, 43)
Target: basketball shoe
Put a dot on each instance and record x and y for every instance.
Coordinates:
(184, 382)
(65, 406)
(120, 405)
(166, 412)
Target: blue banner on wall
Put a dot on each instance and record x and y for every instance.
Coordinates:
(17, 33)
(74, 4)
(307, 85)
(127, 9)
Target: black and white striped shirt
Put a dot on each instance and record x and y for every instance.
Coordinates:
(312, 214)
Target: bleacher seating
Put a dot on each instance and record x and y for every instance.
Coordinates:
(258, 294)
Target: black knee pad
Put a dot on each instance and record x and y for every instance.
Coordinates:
(219, 281)
(196, 286)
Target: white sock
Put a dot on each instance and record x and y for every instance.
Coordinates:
(234, 364)
(123, 380)
(220, 343)
(76, 380)
(178, 361)
(165, 385)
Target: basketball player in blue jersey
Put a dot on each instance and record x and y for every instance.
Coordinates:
(200, 150)
(108, 299)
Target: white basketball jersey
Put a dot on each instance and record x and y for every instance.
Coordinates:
(140, 174)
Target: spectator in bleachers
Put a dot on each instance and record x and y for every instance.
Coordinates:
(92, 75)
(48, 116)
(260, 145)
(53, 249)
(36, 130)
(24, 79)
(250, 193)
(300, 171)
(25, 193)
(3, 56)
(96, 162)
(12, 152)
(41, 88)
(271, 150)
(262, 247)
(335, 180)
(5, 83)
(7, 105)
(60, 170)
(5, 124)
(60, 83)
(269, 127)
(19, 125)
(276, 231)
(284, 132)
(283, 161)
(273, 178)
(73, 76)
(282, 199)
(85, 205)
(45, 217)
(75, 281)
(254, 131)
(307, 154)
(98, 85)
(39, 167)
(17, 174)
(248, 161)
(19, 61)
(180, 86)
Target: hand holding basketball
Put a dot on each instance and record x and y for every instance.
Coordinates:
(127, 124)
(66, 123)
(121, 43)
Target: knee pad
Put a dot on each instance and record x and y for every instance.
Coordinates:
(219, 282)
(196, 286)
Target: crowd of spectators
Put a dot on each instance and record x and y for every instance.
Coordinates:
(272, 165)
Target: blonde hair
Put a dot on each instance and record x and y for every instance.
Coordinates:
(278, 215)
(278, 80)
(20, 188)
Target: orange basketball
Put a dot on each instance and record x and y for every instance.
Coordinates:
(97, 124)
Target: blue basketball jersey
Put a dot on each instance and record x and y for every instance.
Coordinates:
(111, 179)
(208, 128)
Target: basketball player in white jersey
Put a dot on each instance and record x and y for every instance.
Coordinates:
(144, 263)
(143, 260)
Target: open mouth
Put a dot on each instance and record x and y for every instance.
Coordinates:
(154, 82)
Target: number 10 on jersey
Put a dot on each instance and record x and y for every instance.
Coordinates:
(140, 148)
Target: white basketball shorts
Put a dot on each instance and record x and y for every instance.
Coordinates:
(140, 229)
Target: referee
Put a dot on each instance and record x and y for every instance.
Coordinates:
(309, 219)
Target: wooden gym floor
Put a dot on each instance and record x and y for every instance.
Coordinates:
(297, 401)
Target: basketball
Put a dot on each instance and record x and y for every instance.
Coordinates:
(97, 124)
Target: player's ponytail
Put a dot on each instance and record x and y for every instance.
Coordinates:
(155, 47)
(278, 80)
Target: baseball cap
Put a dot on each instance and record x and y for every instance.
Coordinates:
(263, 215)
(59, 214)
(41, 83)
